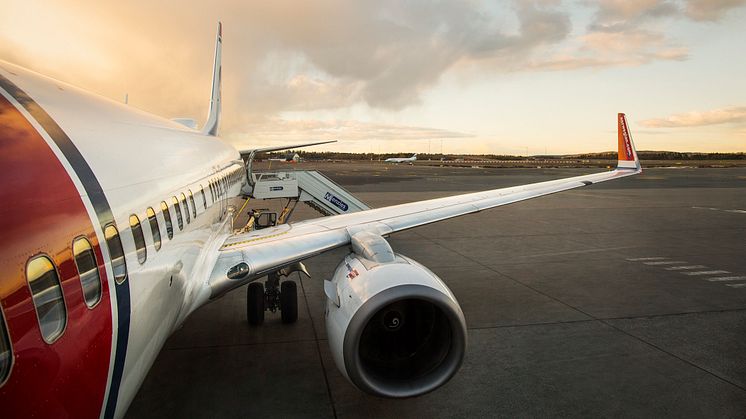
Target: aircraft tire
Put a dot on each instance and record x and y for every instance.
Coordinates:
(255, 303)
(289, 301)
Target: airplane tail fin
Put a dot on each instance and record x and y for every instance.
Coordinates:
(213, 114)
(627, 153)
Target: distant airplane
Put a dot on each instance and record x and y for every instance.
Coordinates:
(401, 159)
(288, 158)
(115, 228)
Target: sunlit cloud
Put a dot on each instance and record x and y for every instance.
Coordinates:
(323, 57)
(612, 14)
(614, 49)
(280, 57)
(278, 130)
(711, 10)
(698, 119)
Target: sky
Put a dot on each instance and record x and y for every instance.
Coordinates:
(499, 77)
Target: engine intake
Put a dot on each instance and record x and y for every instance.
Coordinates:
(398, 330)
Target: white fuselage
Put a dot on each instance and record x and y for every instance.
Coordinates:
(401, 159)
(140, 161)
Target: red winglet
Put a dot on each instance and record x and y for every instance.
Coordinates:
(627, 153)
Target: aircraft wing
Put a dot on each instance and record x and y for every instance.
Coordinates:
(257, 253)
(247, 152)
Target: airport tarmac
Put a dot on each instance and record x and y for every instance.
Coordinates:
(623, 299)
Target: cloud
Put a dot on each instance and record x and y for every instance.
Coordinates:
(616, 15)
(698, 119)
(615, 49)
(278, 55)
(283, 130)
(284, 56)
(628, 32)
(710, 10)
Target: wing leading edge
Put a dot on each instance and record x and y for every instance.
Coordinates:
(270, 249)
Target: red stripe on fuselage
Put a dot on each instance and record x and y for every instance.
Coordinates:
(41, 211)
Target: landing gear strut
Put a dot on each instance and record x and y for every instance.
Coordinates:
(275, 296)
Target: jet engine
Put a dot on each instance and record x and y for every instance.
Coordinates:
(394, 328)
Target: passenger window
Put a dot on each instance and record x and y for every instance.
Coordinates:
(167, 217)
(186, 208)
(85, 261)
(6, 355)
(139, 237)
(114, 243)
(191, 201)
(46, 292)
(177, 210)
(154, 227)
(204, 198)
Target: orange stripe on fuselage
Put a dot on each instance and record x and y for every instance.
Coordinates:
(41, 211)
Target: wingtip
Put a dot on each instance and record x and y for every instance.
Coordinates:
(627, 154)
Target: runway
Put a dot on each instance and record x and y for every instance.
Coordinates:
(622, 299)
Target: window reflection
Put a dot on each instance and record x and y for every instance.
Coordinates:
(167, 218)
(139, 238)
(85, 262)
(154, 228)
(116, 253)
(6, 354)
(177, 210)
(47, 296)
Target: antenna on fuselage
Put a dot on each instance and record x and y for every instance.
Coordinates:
(213, 114)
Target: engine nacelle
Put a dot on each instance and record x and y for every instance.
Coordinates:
(394, 328)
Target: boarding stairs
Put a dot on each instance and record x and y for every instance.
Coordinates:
(307, 186)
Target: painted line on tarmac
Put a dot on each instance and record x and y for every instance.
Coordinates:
(572, 252)
(684, 268)
(727, 278)
(666, 262)
(689, 270)
(705, 273)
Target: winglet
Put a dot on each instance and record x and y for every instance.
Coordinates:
(213, 114)
(627, 153)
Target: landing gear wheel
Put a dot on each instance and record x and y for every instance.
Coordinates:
(289, 301)
(255, 303)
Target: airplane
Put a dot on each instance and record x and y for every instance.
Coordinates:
(288, 158)
(409, 160)
(116, 226)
